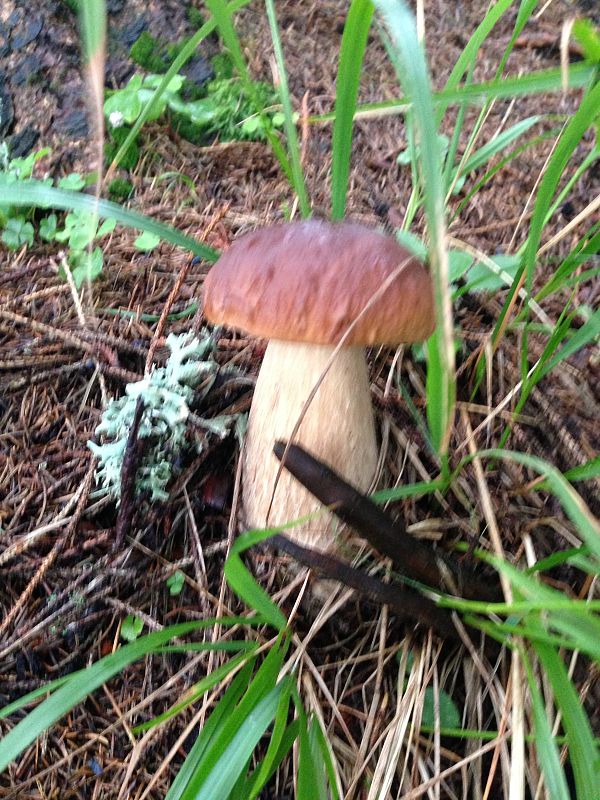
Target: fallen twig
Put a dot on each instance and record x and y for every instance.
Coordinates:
(410, 556)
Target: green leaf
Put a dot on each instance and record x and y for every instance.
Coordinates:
(131, 628)
(17, 232)
(448, 713)
(176, 582)
(47, 229)
(458, 264)
(413, 243)
(107, 227)
(23, 167)
(147, 241)
(125, 105)
(483, 278)
(73, 182)
(86, 266)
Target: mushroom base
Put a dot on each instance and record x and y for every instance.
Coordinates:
(338, 429)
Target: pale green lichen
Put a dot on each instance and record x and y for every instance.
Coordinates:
(167, 393)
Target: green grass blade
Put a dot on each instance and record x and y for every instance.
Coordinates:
(243, 583)
(226, 772)
(545, 746)
(570, 138)
(322, 750)
(36, 193)
(80, 685)
(222, 763)
(589, 332)
(290, 126)
(583, 751)
(281, 741)
(187, 51)
(222, 17)
(539, 82)
(311, 776)
(469, 53)
(577, 511)
(199, 689)
(352, 51)
(484, 154)
(411, 68)
(221, 711)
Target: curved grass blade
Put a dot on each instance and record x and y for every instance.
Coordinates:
(545, 745)
(232, 743)
(280, 744)
(222, 710)
(583, 751)
(219, 782)
(187, 51)
(539, 82)
(81, 684)
(36, 193)
(352, 51)
(200, 688)
(574, 506)
(412, 72)
(289, 124)
(222, 16)
(569, 140)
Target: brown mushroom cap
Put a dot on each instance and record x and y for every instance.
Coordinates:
(308, 281)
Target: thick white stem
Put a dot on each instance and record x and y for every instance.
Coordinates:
(338, 429)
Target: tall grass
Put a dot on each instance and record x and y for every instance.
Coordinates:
(259, 695)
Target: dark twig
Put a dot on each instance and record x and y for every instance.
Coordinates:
(409, 605)
(410, 556)
(131, 460)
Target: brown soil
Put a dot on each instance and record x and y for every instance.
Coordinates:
(65, 590)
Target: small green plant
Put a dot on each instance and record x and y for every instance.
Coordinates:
(227, 111)
(131, 628)
(167, 394)
(175, 583)
(79, 230)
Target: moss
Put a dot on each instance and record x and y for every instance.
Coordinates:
(222, 65)
(149, 53)
(188, 130)
(72, 4)
(120, 190)
(195, 17)
(131, 156)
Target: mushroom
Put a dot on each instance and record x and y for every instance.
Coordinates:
(306, 286)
